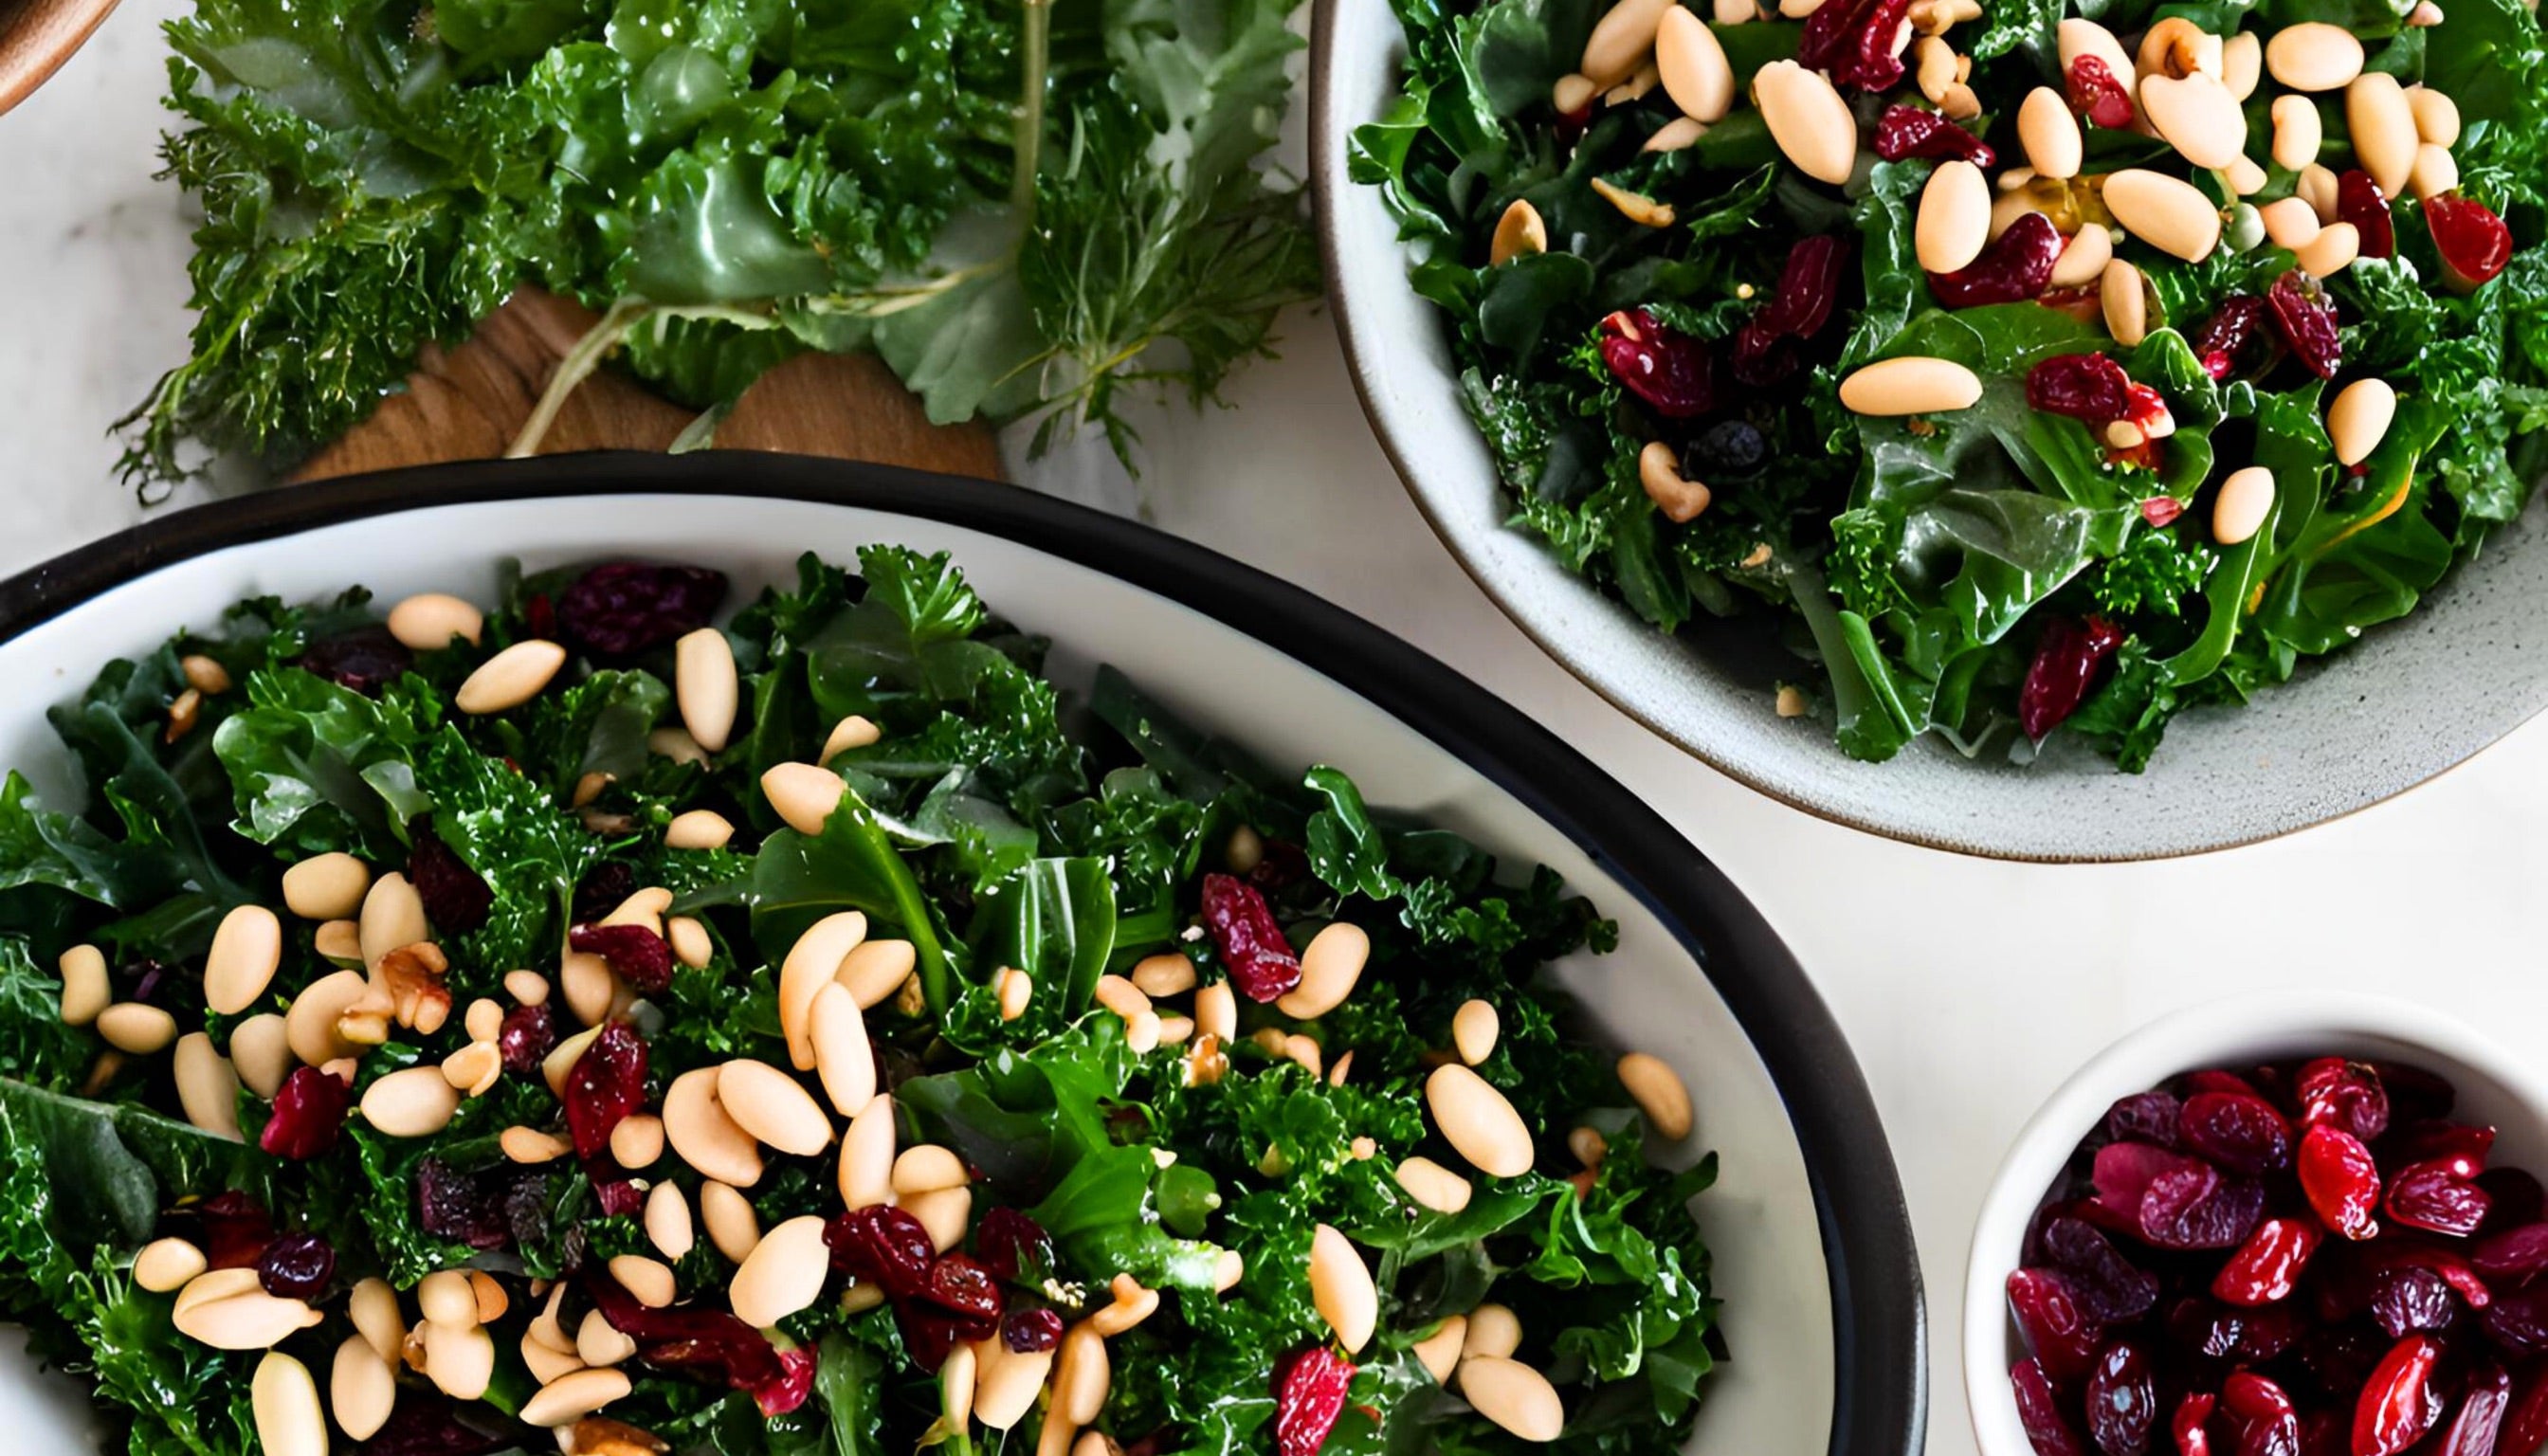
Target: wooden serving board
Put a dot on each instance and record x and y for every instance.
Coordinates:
(467, 403)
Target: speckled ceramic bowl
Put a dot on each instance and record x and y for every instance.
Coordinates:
(2410, 702)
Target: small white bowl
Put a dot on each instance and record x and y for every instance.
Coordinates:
(2495, 1086)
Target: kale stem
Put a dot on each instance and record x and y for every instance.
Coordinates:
(1037, 45)
(574, 369)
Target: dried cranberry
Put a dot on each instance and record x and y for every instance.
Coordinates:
(617, 1198)
(2517, 1320)
(2438, 1195)
(2306, 318)
(625, 607)
(1252, 949)
(712, 1341)
(2214, 1079)
(1310, 1388)
(2339, 1359)
(2360, 202)
(1674, 373)
(2405, 1300)
(1911, 131)
(2341, 1181)
(2014, 269)
(456, 899)
(1859, 43)
(2323, 1434)
(2206, 1329)
(2187, 1425)
(1768, 348)
(529, 1034)
(1014, 1246)
(2241, 1132)
(2435, 1137)
(2234, 328)
(309, 1111)
(470, 1208)
(2450, 1268)
(426, 1422)
(2392, 1413)
(2067, 661)
(603, 888)
(2198, 1208)
(2516, 1255)
(791, 1386)
(296, 1266)
(884, 1246)
(2514, 1198)
(2266, 1332)
(1029, 1330)
(2349, 1095)
(2089, 388)
(2123, 1401)
(2107, 1287)
(963, 1288)
(2475, 1430)
(365, 659)
(2473, 241)
(235, 1229)
(2267, 1267)
(2123, 1171)
(2057, 1331)
(642, 958)
(2264, 1417)
(2039, 1410)
(2095, 95)
(605, 1084)
(2525, 1421)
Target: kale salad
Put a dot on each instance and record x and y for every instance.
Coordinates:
(2034, 367)
(565, 1021)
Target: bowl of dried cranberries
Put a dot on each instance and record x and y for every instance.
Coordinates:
(2294, 1223)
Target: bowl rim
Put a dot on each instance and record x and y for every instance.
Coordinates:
(2176, 1041)
(54, 32)
(1880, 1368)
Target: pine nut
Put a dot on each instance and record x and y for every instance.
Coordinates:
(802, 794)
(956, 1378)
(1335, 1075)
(1735, 12)
(674, 744)
(1812, 126)
(206, 1087)
(637, 1140)
(946, 1214)
(698, 829)
(374, 1308)
(328, 886)
(1227, 1268)
(732, 1225)
(1494, 1333)
(1954, 217)
(1636, 207)
(414, 1102)
(527, 987)
(1473, 1029)
(1477, 1122)
(1693, 66)
(510, 679)
(648, 1281)
(2434, 173)
(1216, 1011)
(2077, 38)
(135, 1028)
(2290, 221)
(1659, 472)
(340, 942)
(461, 1363)
(2177, 47)
(2167, 214)
(875, 971)
(205, 674)
(361, 1388)
(393, 916)
(2242, 64)
(260, 1053)
(705, 686)
(310, 1021)
(531, 1145)
(231, 1314)
(430, 620)
(1169, 974)
(1121, 996)
(1341, 1288)
(1658, 1093)
(1910, 385)
(1007, 1382)
(2383, 127)
(1513, 1396)
(2246, 498)
(485, 1020)
(218, 1284)
(813, 962)
(867, 1155)
(1331, 962)
(546, 1364)
(166, 1265)
(2298, 131)
(1014, 988)
(774, 1107)
(1934, 65)
(2332, 251)
(1617, 46)
(488, 1295)
(2316, 182)
(1081, 1375)
(599, 1342)
(2197, 116)
(1133, 1305)
(784, 1274)
(2437, 117)
(1588, 1145)
(2051, 135)
(851, 732)
(1434, 1185)
(927, 1169)
(1672, 136)
(563, 1057)
(1439, 1352)
(1518, 233)
(2084, 258)
(86, 987)
(2314, 55)
(445, 1296)
(843, 1058)
(283, 1401)
(589, 787)
(473, 1070)
(702, 1132)
(2359, 418)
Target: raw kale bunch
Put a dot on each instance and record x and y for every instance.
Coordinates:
(1023, 206)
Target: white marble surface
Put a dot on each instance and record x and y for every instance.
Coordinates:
(1970, 988)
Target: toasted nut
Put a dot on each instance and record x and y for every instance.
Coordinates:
(2290, 221)
(1341, 1286)
(1513, 1396)
(461, 1363)
(374, 1308)
(732, 1225)
(804, 794)
(510, 679)
(227, 1312)
(2359, 418)
(1493, 1333)
(1434, 1185)
(131, 1026)
(1812, 126)
(182, 713)
(1519, 230)
(562, 1059)
(571, 1397)
(261, 1052)
(531, 1145)
(445, 1297)
(689, 941)
(392, 916)
(946, 1214)
(867, 1155)
(1617, 46)
(648, 1281)
(1659, 472)
(489, 1294)
(1910, 385)
(284, 1399)
(328, 886)
(340, 941)
(668, 1221)
(166, 1265)
(1934, 65)
(784, 1274)
(2167, 214)
(2077, 38)
(1081, 1375)
(1216, 1011)
(1477, 1122)
(589, 787)
(600, 1344)
(2434, 173)
(2049, 134)
(1588, 1145)
(1658, 1093)
(2437, 117)
(1121, 996)
(2318, 184)
(851, 732)
(1693, 66)
(927, 1169)
(705, 686)
(2177, 48)
(697, 829)
(813, 962)
(2246, 499)
(546, 1364)
(1331, 963)
(86, 987)
(1007, 1382)
(773, 1106)
(2332, 251)
(2124, 299)
(674, 744)
(956, 1377)
(528, 987)
(1473, 1029)
(2242, 64)
(1015, 988)
(876, 972)
(704, 1134)
(2197, 116)
(1954, 217)
(1167, 974)
(1636, 207)
(205, 674)
(485, 1020)
(1674, 135)
(2084, 258)
(206, 1087)
(2314, 55)
(430, 620)
(2383, 127)
(1439, 1352)
(474, 1069)
(843, 1058)
(361, 1387)
(2297, 131)
(637, 1142)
